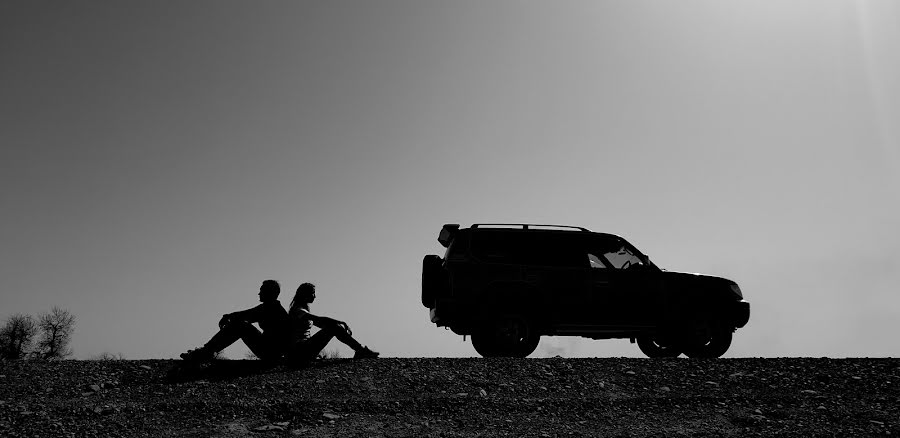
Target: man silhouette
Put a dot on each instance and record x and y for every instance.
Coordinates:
(268, 345)
(305, 348)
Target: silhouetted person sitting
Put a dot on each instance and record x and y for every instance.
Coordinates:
(305, 348)
(272, 319)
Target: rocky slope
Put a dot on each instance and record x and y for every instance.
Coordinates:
(455, 398)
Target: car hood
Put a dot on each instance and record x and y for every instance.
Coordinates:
(693, 276)
(698, 283)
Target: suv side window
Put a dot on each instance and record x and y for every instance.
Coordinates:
(496, 246)
(554, 250)
(525, 248)
(595, 262)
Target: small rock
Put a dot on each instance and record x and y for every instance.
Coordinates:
(809, 391)
(821, 408)
(710, 382)
(482, 392)
(95, 388)
(105, 410)
(330, 416)
(757, 412)
(462, 394)
(665, 389)
(602, 385)
(237, 428)
(267, 428)
(145, 367)
(856, 378)
(630, 373)
(283, 423)
(87, 394)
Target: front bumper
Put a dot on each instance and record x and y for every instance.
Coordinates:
(740, 313)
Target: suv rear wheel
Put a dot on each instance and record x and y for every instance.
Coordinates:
(656, 347)
(510, 336)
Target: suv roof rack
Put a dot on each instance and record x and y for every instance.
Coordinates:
(530, 226)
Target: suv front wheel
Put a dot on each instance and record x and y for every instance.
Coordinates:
(707, 339)
(510, 336)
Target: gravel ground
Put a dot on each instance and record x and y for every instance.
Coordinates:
(455, 398)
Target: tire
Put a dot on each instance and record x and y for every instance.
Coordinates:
(511, 336)
(652, 348)
(431, 279)
(485, 344)
(707, 340)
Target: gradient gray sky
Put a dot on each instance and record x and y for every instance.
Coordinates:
(159, 160)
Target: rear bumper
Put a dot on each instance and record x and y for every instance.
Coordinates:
(434, 315)
(740, 313)
(444, 313)
(441, 314)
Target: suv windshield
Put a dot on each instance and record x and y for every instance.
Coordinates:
(615, 254)
(622, 258)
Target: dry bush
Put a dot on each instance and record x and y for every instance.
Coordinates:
(106, 356)
(16, 336)
(56, 333)
(328, 355)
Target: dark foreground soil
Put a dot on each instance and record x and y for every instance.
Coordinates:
(455, 398)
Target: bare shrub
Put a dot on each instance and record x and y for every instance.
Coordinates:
(107, 356)
(328, 355)
(16, 336)
(56, 333)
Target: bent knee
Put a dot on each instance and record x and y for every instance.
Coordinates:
(334, 330)
(238, 326)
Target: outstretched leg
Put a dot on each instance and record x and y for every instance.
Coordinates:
(228, 335)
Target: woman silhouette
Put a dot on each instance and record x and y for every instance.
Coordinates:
(304, 347)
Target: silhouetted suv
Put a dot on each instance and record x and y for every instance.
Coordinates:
(507, 285)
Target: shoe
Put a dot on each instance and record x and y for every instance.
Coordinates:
(197, 355)
(365, 353)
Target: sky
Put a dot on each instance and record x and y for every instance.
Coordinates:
(159, 160)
